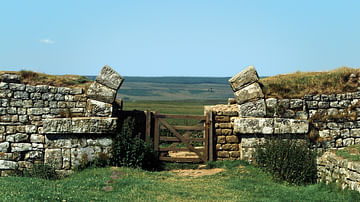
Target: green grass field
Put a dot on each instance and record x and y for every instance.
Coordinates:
(194, 107)
(240, 182)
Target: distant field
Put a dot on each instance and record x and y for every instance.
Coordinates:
(175, 88)
(195, 107)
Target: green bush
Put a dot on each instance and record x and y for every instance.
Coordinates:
(287, 159)
(42, 170)
(130, 150)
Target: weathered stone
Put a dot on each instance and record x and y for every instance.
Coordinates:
(312, 104)
(101, 93)
(283, 126)
(53, 157)
(296, 103)
(10, 78)
(21, 95)
(222, 118)
(105, 142)
(253, 109)
(232, 139)
(76, 91)
(18, 147)
(223, 154)
(254, 125)
(221, 139)
(34, 155)
(82, 155)
(37, 138)
(244, 78)
(110, 78)
(98, 108)
(230, 147)
(8, 165)
(17, 86)
(323, 105)
(348, 142)
(80, 125)
(18, 137)
(4, 146)
(301, 115)
(271, 106)
(250, 92)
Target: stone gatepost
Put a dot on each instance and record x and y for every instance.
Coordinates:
(102, 93)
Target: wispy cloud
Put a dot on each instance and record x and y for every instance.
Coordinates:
(47, 41)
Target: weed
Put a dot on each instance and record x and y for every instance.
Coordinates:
(42, 170)
(287, 159)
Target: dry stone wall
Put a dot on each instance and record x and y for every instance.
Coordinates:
(332, 168)
(330, 121)
(63, 126)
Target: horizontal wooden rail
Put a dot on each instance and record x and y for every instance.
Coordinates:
(199, 127)
(177, 116)
(180, 149)
(182, 160)
(175, 139)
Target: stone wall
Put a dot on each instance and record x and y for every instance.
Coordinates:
(331, 121)
(332, 168)
(64, 126)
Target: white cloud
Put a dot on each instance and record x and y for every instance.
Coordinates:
(47, 41)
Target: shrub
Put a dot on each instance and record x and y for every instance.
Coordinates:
(287, 159)
(130, 150)
(42, 170)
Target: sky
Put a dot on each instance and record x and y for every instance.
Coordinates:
(179, 37)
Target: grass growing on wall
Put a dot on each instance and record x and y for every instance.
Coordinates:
(298, 84)
(351, 152)
(239, 182)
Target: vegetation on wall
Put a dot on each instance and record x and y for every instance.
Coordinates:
(130, 150)
(287, 159)
(298, 84)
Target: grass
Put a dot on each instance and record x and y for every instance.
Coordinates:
(351, 152)
(35, 78)
(298, 84)
(240, 182)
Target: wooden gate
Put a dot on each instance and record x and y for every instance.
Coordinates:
(193, 142)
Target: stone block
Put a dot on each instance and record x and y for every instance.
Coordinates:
(18, 137)
(38, 155)
(8, 165)
(221, 139)
(105, 142)
(10, 78)
(110, 78)
(17, 86)
(254, 125)
(248, 93)
(82, 155)
(98, 108)
(293, 126)
(296, 103)
(253, 109)
(101, 93)
(244, 78)
(232, 139)
(4, 146)
(234, 154)
(76, 91)
(79, 125)
(19, 147)
(312, 104)
(223, 154)
(230, 147)
(53, 157)
(35, 138)
(271, 106)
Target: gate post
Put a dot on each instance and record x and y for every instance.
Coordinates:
(156, 131)
(148, 127)
(211, 136)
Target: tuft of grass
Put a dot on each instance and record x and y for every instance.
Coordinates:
(351, 152)
(298, 84)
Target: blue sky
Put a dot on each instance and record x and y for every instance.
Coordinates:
(179, 37)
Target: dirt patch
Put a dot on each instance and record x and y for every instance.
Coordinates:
(198, 172)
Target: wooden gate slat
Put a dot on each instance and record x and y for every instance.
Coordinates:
(191, 148)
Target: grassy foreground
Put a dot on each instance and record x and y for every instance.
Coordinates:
(239, 182)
